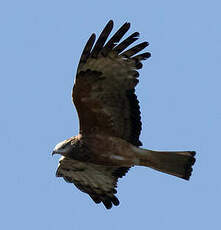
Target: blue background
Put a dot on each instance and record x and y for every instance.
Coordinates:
(179, 92)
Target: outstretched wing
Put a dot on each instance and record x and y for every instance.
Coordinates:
(98, 181)
(104, 89)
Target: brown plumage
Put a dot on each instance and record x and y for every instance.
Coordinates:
(110, 123)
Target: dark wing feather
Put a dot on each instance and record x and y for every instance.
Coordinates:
(128, 41)
(142, 57)
(87, 50)
(98, 181)
(117, 36)
(135, 49)
(104, 89)
(102, 39)
(135, 117)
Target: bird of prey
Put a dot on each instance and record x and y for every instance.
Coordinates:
(109, 119)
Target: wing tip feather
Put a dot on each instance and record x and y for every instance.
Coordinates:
(113, 43)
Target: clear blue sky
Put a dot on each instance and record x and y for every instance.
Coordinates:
(179, 92)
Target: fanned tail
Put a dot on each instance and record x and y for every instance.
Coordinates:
(175, 163)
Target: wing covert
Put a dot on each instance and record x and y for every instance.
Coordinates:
(98, 181)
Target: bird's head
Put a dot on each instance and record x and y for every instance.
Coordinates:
(64, 148)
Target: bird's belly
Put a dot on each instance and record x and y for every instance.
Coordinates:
(110, 151)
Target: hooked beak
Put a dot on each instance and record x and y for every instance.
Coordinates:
(54, 152)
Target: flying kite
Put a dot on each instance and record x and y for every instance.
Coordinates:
(109, 119)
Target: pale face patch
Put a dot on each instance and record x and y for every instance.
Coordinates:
(59, 145)
(62, 147)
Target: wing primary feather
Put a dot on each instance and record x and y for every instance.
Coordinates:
(95, 198)
(125, 43)
(102, 39)
(117, 36)
(115, 201)
(135, 49)
(107, 203)
(142, 57)
(139, 58)
(87, 49)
